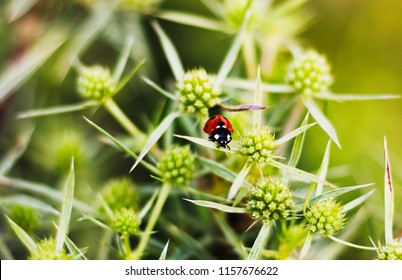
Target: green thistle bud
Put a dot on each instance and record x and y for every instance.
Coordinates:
(126, 221)
(270, 200)
(26, 217)
(197, 93)
(46, 250)
(309, 73)
(177, 166)
(120, 193)
(67, 146)
(95, 82)
(325, 217)
(258, 145)
(392, 251)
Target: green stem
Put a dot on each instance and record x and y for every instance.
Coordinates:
(119, 115)
(126, 245)
(163, 194)
(259, 242)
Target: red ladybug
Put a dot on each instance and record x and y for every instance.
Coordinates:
(220, 130)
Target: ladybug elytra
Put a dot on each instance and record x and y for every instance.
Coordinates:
(220, 130)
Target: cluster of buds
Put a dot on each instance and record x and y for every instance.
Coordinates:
(258, 145)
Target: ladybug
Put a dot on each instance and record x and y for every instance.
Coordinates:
(220, 130)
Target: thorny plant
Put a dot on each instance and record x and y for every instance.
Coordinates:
(254, 193)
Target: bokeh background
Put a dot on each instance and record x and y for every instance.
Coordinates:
(362, 40)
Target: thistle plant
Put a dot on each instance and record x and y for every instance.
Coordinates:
(155, 186)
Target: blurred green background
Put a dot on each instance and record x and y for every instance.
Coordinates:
(362, 40)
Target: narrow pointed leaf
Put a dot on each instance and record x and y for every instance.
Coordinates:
(300, 173)
(321, 119)
(207, 144)
(124, 56)
(306, 246)
(159, 89)
(294, 133)
(356, 202)
(148, 205)
(388, 197)
(66, 209)
(231, 56)
(170, 52)
(57, 110)
(355, 97)
(298, 145)
(218, 206)
(155, 136)
(322, 171)
(29, 202)
(128, 77)
(193, 20)
(95, 221)
(238, 182)
(77, 252)
(23, 236)
(257, 100)
(259, 242)
(124, 148)
(219, 170)
(351, 244)
(164, 252)
(238, 83)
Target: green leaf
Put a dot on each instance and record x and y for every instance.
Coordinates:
(29, 202)
(164, 252)
(124, 56)
(57, 110)
(356, 202)
(219, 170)
(159, 89)
(43, 190)
(66, 208)
(123, 147)
(231, 237)
(352, 244)
(259, 242)
(300, 173)
(355, 97)
(321, 119)
(23, 236)
(148, 205)
(193, 20)
(170, 52)
(306, 246)
(294, 133)
(77, 252)
(95, 221)
(128, 77)
(155, 136)
(207, 144)
(231, 56)
(388, 197)
(218, 206)
(238, 182)
(322, 171)
(11, 157)
(19, 72)
(238, 83)
(257, 100)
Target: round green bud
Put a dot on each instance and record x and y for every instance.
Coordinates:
(392, 251)
(197, 93)
(258, 145)
(309, 73)
(126, 221)
(26, 217)
(269, 200)
(177, 166)
(120, 193)
(46, 250)
(325, 217)
(66, 147)
(96, 82)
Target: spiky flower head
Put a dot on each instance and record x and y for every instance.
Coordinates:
(325, 217)
(46, 250)
(197, 93)
(120, 193)
(258, 145)
(126, 221)
(309, 73)
(392, 251)
(270, 200)
(177, 166)
(95, 82)
(26, 217)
